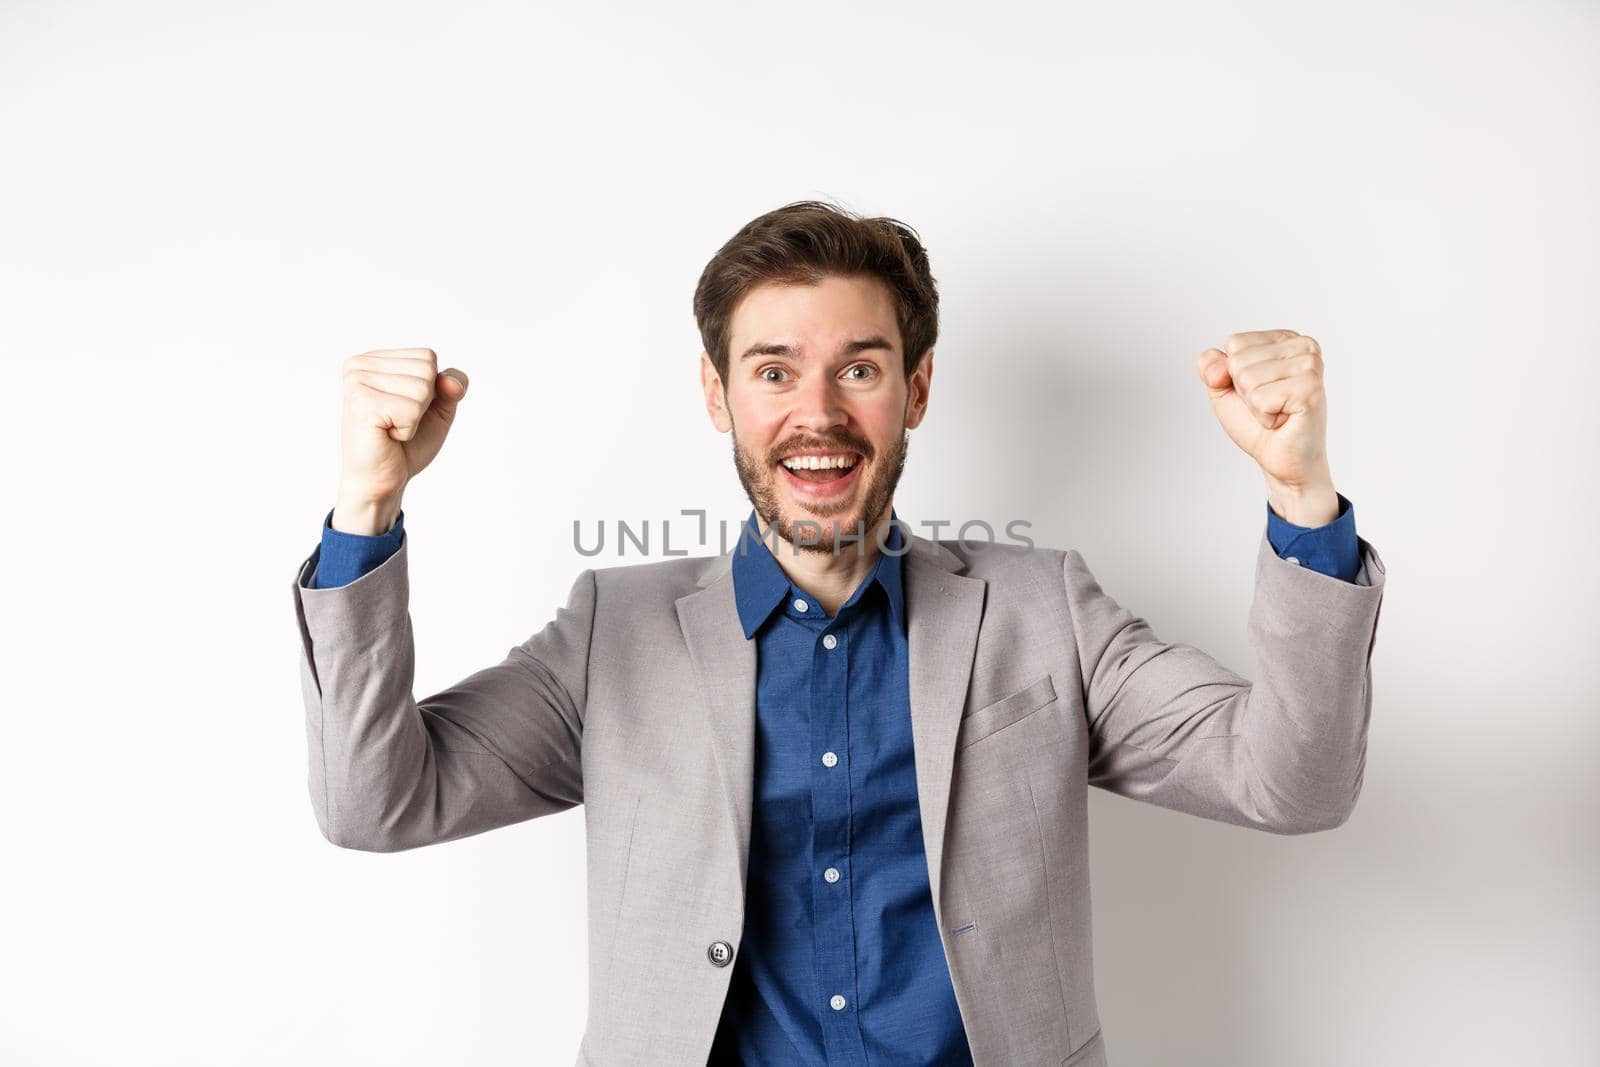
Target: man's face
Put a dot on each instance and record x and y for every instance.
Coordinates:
(817, 371)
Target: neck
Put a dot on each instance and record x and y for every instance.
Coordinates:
(829, 577)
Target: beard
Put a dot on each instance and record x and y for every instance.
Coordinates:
(846, 524)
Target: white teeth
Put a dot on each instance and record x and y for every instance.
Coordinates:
(814, 463)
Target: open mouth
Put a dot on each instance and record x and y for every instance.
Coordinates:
(821, 473)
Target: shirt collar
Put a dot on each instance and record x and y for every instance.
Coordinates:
(760, 585)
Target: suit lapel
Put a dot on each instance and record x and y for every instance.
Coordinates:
(943, 611)
(724, 661)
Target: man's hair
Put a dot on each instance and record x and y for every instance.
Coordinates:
(805, 242)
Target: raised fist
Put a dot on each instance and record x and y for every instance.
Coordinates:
(398, 408)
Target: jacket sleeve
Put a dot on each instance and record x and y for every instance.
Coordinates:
(1171, 726)
(387, 772)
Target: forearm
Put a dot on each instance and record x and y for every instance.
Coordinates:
(1174, 727)
(1305, 722)
(389, 772)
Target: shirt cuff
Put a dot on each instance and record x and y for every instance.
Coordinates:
(1330, 549)
(344, 557)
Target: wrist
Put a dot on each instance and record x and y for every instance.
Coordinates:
(366, 516)
(1304, 505)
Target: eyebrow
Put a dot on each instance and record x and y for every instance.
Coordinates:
(848, 349)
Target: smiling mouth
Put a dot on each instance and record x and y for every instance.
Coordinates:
(822, 467)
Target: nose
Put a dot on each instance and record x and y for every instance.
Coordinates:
(819, 406)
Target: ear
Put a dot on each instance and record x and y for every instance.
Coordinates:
(917, 390)
(716, 399)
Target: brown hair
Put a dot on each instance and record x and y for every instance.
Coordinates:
(807, 241)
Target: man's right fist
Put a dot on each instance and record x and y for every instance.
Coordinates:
(398, 408)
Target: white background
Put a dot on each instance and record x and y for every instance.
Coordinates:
(204, 208)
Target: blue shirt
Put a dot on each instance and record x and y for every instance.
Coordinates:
(840, 960)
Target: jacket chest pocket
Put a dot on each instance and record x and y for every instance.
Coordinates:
(1006, 712)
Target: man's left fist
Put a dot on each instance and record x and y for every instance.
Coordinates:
(1266, 388)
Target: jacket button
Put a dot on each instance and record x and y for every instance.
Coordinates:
(720, 953)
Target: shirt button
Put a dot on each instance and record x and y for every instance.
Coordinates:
(829, 641)
(1290, 559)
(831, 874)
(829, 759)
(836, 1003)
(719, 952)
(801, 605)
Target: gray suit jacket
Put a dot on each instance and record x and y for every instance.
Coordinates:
(1028, 685)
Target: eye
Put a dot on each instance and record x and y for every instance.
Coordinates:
(869, 368)
(764, 373)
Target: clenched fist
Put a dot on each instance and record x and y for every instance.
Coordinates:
(1266, 389)
(398, 408)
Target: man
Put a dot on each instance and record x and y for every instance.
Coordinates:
(836, 776)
